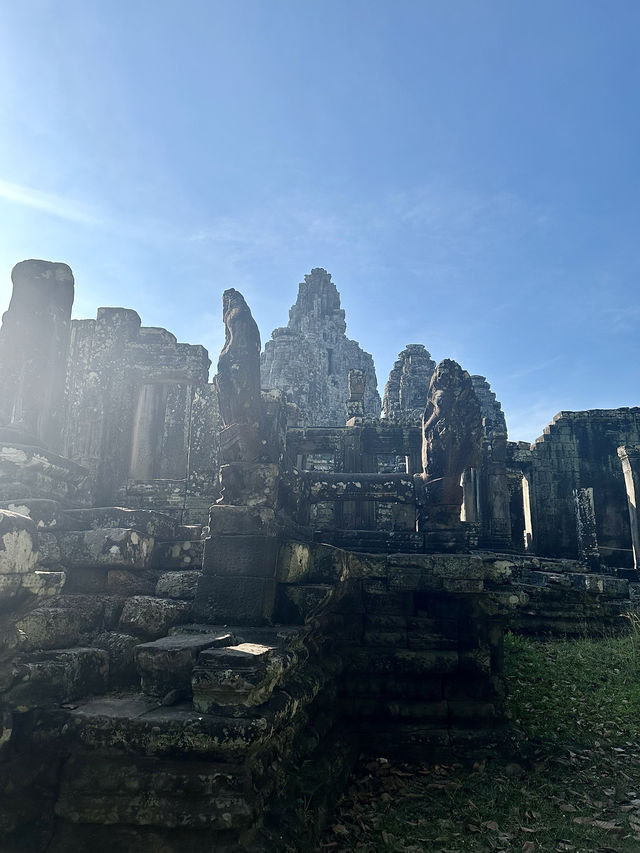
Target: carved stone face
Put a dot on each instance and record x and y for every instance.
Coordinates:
(451, 422)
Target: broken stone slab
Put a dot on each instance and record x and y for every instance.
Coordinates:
(181, 585)
(166, 664)
(18, 544)
(145, 521)
(119, 647)
(59, 623)
(60, 675)
(152, 617)
(46, 514)
(249, 556)
(108, 547)
(235, 679)
(33, 472)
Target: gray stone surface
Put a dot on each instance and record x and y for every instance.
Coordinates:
(405, 394)
(34, 343)
(311, 357)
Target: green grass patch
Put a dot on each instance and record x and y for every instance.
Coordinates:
(574, 787)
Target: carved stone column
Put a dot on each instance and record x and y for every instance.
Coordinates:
(630, 458)
(34, 344)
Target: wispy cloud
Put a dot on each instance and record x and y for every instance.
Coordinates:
(52, 203)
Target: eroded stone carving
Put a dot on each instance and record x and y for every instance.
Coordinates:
(406, 391)
(451, 424)
(310, 358)
(238, 376)
(451, 442)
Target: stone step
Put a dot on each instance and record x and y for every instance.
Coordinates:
(165, 665)
(180, 585)
(139, 725)
(33, 472)
(66, 620)
(46, 514)
(372, 541)
(57, 676)
(179, 554)
(145, 521)
(150, 617)
(146, 792)
(102, 548)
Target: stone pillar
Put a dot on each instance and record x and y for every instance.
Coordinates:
(355, 404)
(630, 459)
(238, 582)
(588, 551)
(494, 509)
(34, 346)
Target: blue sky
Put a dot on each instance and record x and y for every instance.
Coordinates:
(467, 171)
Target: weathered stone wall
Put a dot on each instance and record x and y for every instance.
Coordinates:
(310, 358)
(578, 451)
(141, 416)
(34, 343)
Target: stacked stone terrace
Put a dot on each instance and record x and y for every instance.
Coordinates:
(173, 680)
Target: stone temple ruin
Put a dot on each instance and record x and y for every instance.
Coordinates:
(215, 595)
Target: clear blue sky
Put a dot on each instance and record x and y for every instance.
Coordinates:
(467, 171)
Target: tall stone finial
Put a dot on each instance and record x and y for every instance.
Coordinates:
(406, 391)
(451, 424)
(356, 381)
(238, 376)
(310, 358)
(34, 345)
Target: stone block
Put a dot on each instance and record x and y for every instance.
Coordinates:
(245, 484)
(135, 791)
(119, 647)
(152, 617)
(182, 554)
(616, 587)
(235, 679)
(33, 472)
(44, 584)
(240, 520)
(166, 664)
(181, 585)
(297, 603)
(229, 600)
(89, 580)
(108, 547)
(46, 514)
(18, 544)
(148, 522)
(63, 622)
(59, 676)
(123, 582)
(294, 561)
(9, 587)
(248, 556)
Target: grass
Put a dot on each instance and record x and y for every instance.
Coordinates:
(575, 787)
